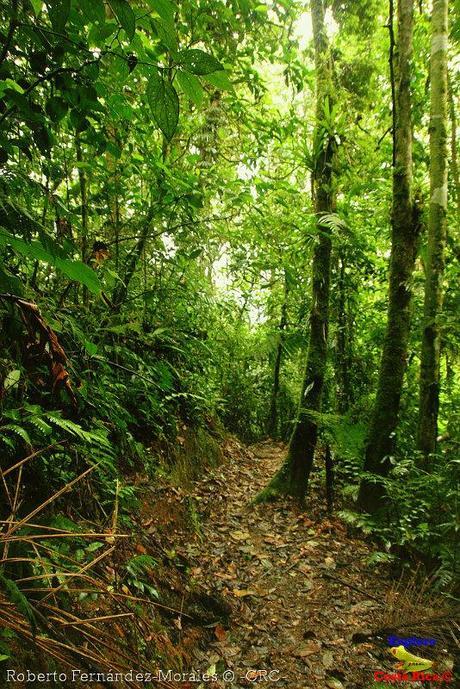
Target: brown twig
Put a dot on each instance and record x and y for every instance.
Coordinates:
(353, 587)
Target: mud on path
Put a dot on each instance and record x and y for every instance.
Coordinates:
(279, 571)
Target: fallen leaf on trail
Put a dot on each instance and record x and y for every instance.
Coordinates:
(264, 592)
(240, 535)
(220, 632)
(328, 659)
(305, 520)
(242, 593)
(329, 562)
(333, 683)
(305, 569)
(308, 649)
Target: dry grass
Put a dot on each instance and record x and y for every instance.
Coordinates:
(413, 607)
(98, 633)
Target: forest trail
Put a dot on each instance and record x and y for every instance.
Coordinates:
(281, 574)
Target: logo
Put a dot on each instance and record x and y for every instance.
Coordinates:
(410, 641)
(408, 661)
(411, 667)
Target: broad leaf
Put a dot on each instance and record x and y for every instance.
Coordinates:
(58, 11)
(167, 34)
(56, 108)
(220, 80)
(125, 16)
(164, 102)
(199, 62)
(93, 10)
(191, 86)
(75, 270)
(164, 8)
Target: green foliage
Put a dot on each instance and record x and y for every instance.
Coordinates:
(423, 515)
(155, 203)
(138, 569)
(19, 600)
(164, 103)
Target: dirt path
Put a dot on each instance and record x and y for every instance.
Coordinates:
(277, 567)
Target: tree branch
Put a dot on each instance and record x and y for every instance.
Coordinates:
(11, 30)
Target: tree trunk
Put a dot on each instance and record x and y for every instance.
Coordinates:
(342, 367)
(273, 416)
(292, 478)
(381, 439)
(431, 334)
(453, 150)
(84, 211)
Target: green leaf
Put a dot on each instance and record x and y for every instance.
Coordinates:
(80, 272)
(19, 600)
(90, 347)
(95, 545)
(58, 11)
(12, 379)
(93, 10)
(18, 430)
(220, 80)
(164, 8)
(75, 270)
(36, 6)
(164, 102)
(56, 108)
(9, 84)
(125, 16)
(166, 33)
(42, 138)
(190, 85)
(10, 283)
(199, 62)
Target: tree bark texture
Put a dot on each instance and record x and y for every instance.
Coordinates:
(292, 479)
(431, 333)
(380, 444)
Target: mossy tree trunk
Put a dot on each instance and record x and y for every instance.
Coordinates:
(431, 334)
(292, 478)
(380, 444)
(343, 354)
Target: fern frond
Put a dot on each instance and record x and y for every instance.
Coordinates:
(18, 430)
(40, 424)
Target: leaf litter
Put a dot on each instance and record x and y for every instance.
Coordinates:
(280, 573)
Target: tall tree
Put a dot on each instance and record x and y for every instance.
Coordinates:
(381, 438)
(292, 478)
(431, 334)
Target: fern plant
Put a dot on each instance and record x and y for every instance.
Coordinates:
(33, 419)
